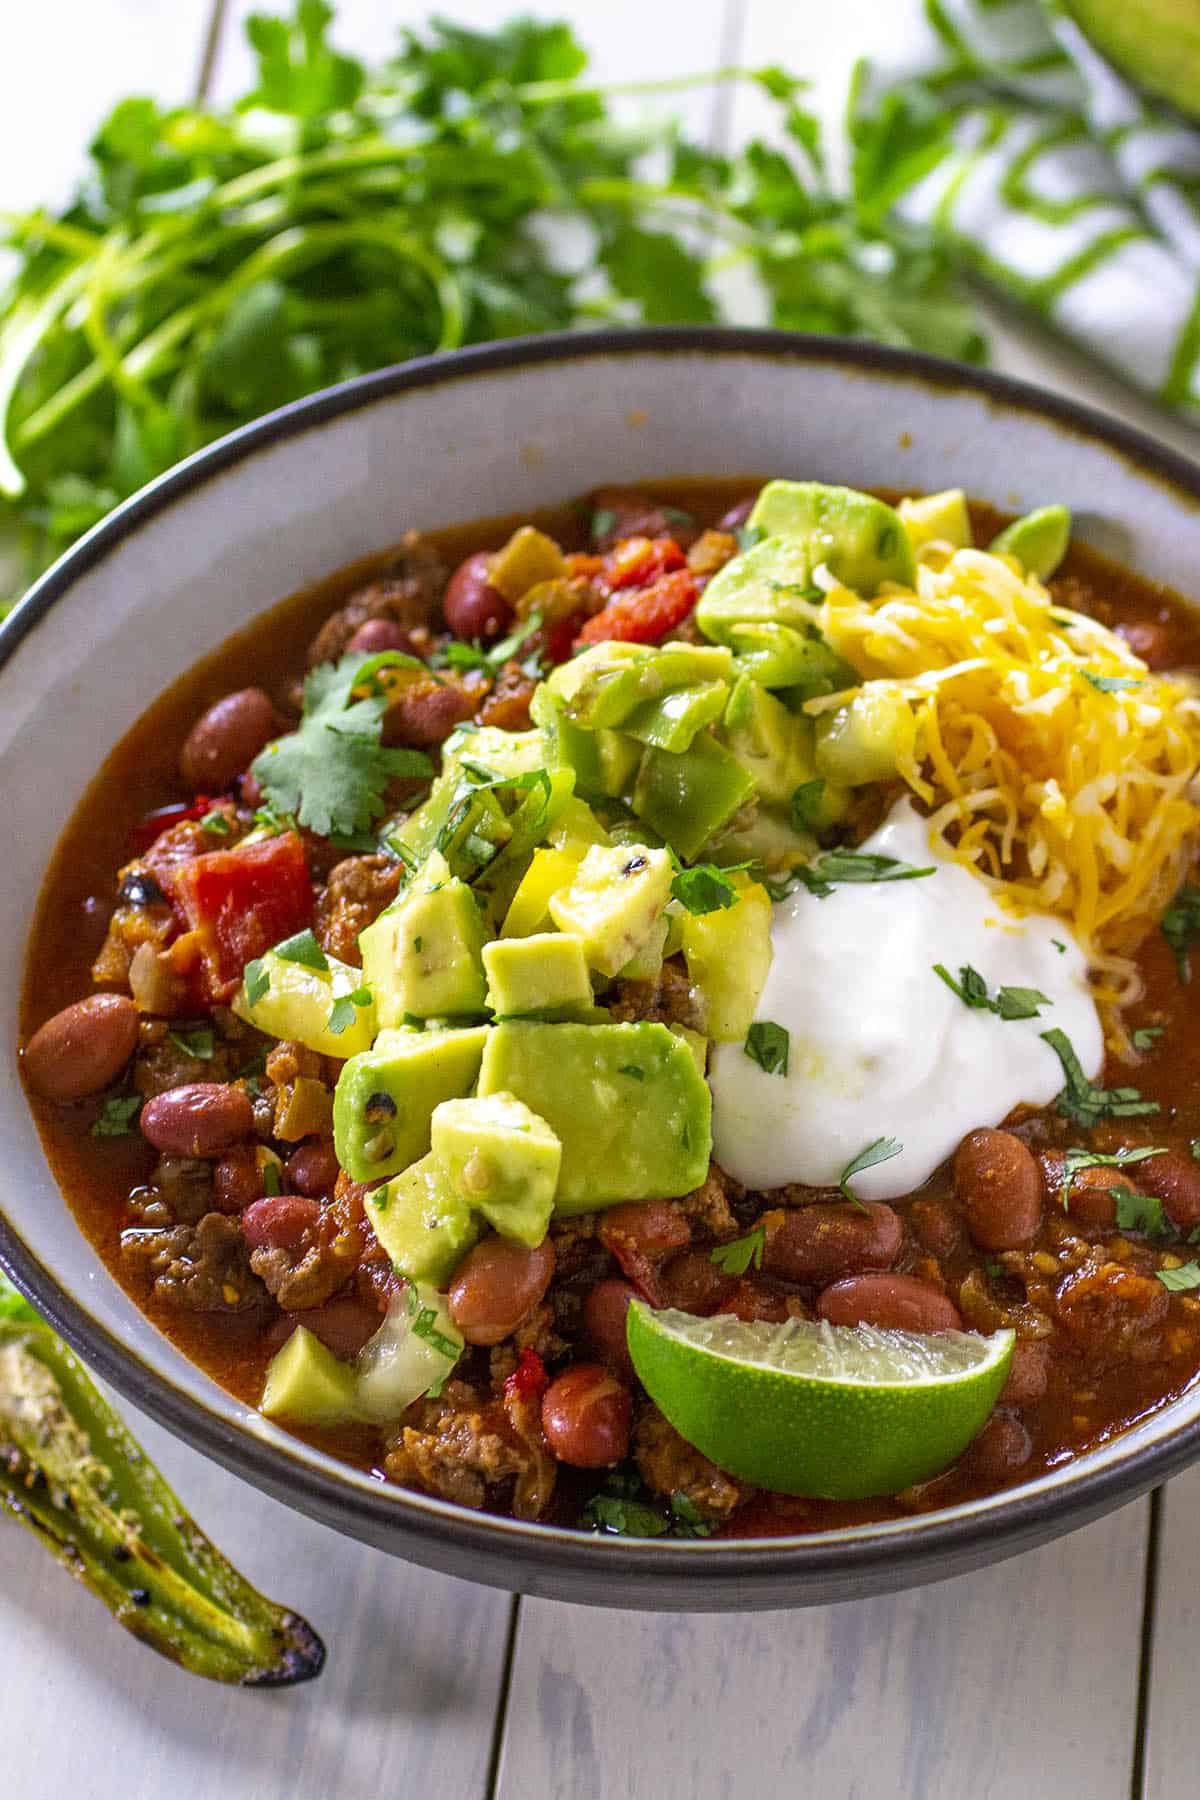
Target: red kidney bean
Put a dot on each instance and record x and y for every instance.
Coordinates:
(422, 713)
(498, 1285)
(736, 517)
(692, 1283)
(821, 1242)
(376, 635)
(890, 1302)
(472, 607)
(202, 1118)
(225, 740)
(83, 1048)
(639, 1235)
(1002, 1446)
(250, 791)
(1175, 1180)
(999, 1187)
(1027, 1374)
(935, 1227)
(586, 1415)
(279, 1221)
(1090, 1199)
(604, 1323)
(312, 1169)
(237, 1179)
(343, 1326)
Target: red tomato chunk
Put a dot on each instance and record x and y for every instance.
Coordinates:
(240, 902)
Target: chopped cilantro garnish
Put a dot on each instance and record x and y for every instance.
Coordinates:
(256, 978)
(1086, 1104)
(1146, 1036)
(199, 1042)
(118, 1116)
(603, 520)
(834, 867)
(735, 1258)
(425, 1326)
(748, 535)
(267, 819)
(807, 802)
(707, 888)
(1109, 684)
(1059, 946)
(465, 657)
(690, 1522)
(1077, 1158)
(303, 949)
(992, 1268)
(617, 1516)
(333, 772)
(1009, 1002)
(1181, 927)
(271, 1181)
(882, 1150)
(767, 1045)
(216, 823)
(1181, 1280)
(342, 1012)
(1139, 1212)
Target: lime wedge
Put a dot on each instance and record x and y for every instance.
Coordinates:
(836, 1411)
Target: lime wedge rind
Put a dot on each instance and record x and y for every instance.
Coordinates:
(835, 1412)
(840, 1353)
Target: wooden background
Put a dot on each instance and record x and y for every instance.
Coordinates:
(1065, 1672)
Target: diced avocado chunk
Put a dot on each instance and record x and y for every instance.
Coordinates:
(503, 752)
(648, 961)
(728, 955)
(384, 1100)
(627, 1103)
(937, 519)
(422, 957)
(770, 584)
(306, 1004)
(576, 829)
(543, 973)
(602, 686)
(423, 1223)
(867, 739)
(307, 1384)
(685, 798)
(696, 1042)
(860, 539)
(1038, 541)
(771, 743)
(613, 902)
(502, 1159)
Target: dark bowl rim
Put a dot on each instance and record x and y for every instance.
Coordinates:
(978, 1530)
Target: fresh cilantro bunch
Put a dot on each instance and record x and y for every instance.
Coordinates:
(216, 264)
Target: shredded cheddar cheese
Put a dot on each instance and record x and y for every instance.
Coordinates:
(1053, 762)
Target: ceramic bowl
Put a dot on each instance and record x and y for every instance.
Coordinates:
(490, 431)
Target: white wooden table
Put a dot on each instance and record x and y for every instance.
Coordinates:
(1067, 1671)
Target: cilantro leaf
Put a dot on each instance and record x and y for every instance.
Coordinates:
(304, 949)
(736, 1257)
(341, 1015)
(1009, 1002)
(618, 1516)
(1085, 1103)
(1181, 927)
(118, 1116)
(271, 1179)
(882, 1150)
(1109, 684)
(706, 888)
(256, 979)
(1146, 1036)
(689, 1521)
(834, 867)
(333, 773)
(807, 803)
(1140, 1212)
(767, 1045)
(1181, 1280)
(198, 1042)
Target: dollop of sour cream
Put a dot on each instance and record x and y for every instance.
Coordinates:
(878, 1045)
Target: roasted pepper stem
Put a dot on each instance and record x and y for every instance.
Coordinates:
(73, 1474)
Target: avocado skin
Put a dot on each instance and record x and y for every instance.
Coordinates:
(1156, 43)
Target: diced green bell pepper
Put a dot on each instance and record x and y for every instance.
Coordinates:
(672, 722)
(604, 685)
(689, 796)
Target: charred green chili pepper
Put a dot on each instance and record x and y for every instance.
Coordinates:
(73, 1474)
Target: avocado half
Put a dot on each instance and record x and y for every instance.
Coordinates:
(1156, 43)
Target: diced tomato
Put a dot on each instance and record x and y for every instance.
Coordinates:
(558, 639)
(239, 902)
(645, 616)
(153, 824)
(528, 1378)
(580, 562)
(637, 561)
